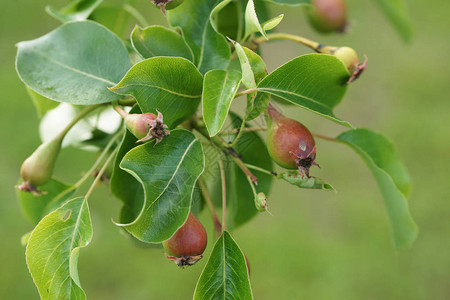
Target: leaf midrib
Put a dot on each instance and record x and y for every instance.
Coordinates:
(161, 88)
(73, 69)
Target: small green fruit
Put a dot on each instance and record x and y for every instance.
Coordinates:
(328, 15)
(37, 169)
(186, 246)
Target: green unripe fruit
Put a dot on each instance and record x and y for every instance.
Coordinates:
(37, 169)
(328, 15)
(348, 57)
(290, 143)
(186, 246)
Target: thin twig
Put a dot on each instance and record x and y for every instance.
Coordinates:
(224, 195)
(207, 197)
(324, 137)
(248, 129)
(245, 92)
(100, 173)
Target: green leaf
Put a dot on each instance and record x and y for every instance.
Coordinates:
(75, 11)
(211, 50)
(305, 183)
(53, 249)
(316, 82)
(225, 275)
(219, 89)
(117, 18)
(290, 2)
(74, 63)
(252, 24)
(253, 71)
(229, 18)
(397, 14)
(384, 162)
(159, 41)
(42, 104)
(123, 185)
(272, 23)
(252, 150)
(36, 207)
(168, 172)
(171, 85)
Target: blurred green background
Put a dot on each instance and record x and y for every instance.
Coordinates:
(317, 245)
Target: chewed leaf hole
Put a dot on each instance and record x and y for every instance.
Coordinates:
(67, 215)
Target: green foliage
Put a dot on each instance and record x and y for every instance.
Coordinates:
(75, 63)
(42, 104)
(210, 48)
(305, 182)
(383, 160)
(396, 12)
(171, 85)
(35, 208)
(83, 62)
(123, 185)
(225, 276)
(159, 41)
(74, 11)
(168, 172)
(253, 151)
(219, 89)
(53, 249)
(298, 81)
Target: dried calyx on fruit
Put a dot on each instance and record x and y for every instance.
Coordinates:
(348, 57)
(290, 143)
(145, 126)
(167, 4)
(328, 15)
(186, 246)
(37, 169)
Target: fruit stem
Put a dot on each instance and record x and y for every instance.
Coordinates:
(126, 102)
(239, 133)
(207, 197)
(261, 170)
(324, 137)
(224, 195)
(77, 118)
(219, 142)
(250, 129)
(89, 173)
(100, 173)
(249, 91)
(286, 36)
(120, 111)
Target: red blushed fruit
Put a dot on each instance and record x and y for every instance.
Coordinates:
(328, 15)
(186, 246)
(290, 143)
